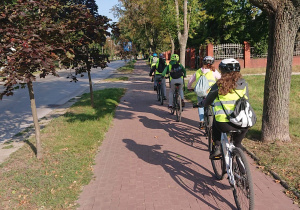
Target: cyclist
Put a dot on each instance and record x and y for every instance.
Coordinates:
(212, 76)
(177, 73)
(231, 79)
(158, 69)
(150, 60)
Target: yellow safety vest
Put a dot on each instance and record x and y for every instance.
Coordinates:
(228, 102)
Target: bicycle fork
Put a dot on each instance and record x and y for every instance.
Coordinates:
(227, 151)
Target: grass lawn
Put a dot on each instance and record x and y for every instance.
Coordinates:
(70, 143)
(128, 68)
(282, 158)
(114, 79)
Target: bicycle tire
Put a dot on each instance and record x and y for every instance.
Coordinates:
(219, 166)
(243, 190)
(178, 108)
(161, 96)
(158, 92)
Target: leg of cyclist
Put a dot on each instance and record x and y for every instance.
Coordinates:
(164, 88)
(171, 92)
(155, 81)
(201, 113)
(180, 80)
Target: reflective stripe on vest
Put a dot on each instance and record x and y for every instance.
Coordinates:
(209, 76)
(228, 102)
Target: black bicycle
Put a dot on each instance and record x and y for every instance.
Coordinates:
(208, 120)
(160, 90)
(177, 103)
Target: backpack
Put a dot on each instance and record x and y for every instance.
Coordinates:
(175, 71)
(154, 60)
(160, 65)
(202, 86)
(243, 114)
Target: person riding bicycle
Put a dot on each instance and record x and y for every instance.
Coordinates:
(225, 90)
(177, 73)
(212, 75)
(158, 68)
(150, 60)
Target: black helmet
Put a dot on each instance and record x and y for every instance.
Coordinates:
(208, 60)
(229, 65)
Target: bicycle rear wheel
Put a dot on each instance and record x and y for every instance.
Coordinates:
(158, 92)
(243, 190)
(178, 108)
(161, 95)
(218, 165)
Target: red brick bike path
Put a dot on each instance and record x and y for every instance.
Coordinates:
(150, 161)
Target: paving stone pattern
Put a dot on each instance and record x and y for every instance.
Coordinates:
(150, 161)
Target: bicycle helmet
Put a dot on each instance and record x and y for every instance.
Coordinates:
(161, 55)
(229, 65)
(174, 57)
(208, 60)
(154, 55)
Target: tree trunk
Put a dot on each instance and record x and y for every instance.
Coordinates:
(39, 153)
(172, 44)
(282, 32)
(182, 38)
(91, 84)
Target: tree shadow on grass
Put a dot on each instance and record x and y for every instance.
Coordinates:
(184, 171)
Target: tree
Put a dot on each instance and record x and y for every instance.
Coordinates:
(188, 14)
(284, 22)
(87, 40)
(30, 40)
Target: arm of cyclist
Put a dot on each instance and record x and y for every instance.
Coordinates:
(212, 95)
(165, 71)
(191, 81)
(152, 70)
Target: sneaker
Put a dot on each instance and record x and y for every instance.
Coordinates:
(164, 98)
(216, 153)
(155, 88)
(201, 125)
(170, 106)
(182, 102)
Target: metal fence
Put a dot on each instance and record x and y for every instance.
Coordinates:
(296, 48)
(223, 51)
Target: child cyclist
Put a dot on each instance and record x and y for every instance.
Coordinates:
(226, 91)
(158, 68)
(177, 73)
(212, 76)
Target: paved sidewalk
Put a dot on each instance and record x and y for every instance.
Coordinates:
(148, 161)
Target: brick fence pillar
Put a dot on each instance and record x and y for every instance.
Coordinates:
(247, 61)
(210, 50)
(193, 57)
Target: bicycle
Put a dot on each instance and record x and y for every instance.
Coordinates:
(208, 120)
(234, 163)
(177, 103)
(160, 90)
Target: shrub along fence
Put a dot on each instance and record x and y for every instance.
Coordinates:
(241, 52)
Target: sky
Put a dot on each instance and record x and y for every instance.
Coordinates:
(104, 7)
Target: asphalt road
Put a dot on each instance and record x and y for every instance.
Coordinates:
(51, 92)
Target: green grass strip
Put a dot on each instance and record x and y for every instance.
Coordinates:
(70, 143)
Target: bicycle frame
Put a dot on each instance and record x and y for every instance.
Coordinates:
(227, 148)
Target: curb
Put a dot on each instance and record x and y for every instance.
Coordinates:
(274, 174)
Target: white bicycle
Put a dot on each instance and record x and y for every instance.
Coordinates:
(234, 163)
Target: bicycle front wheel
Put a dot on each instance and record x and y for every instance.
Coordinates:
(243, 190)
(178, 108)
(218, 165)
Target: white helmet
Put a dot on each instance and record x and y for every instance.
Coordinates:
(229, 65)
